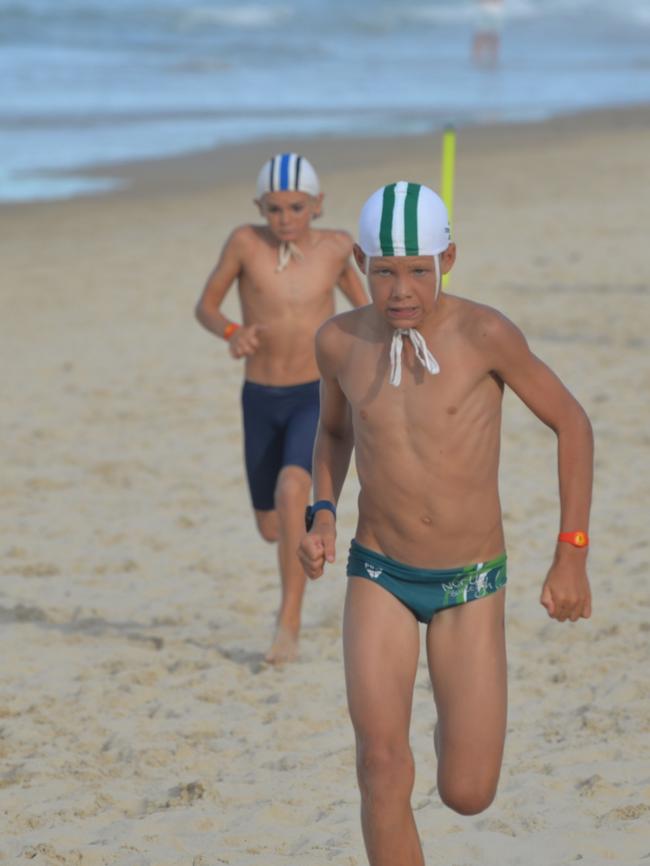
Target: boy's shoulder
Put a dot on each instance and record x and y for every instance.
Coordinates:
(337, 238)
(335, 337)
(481, 319)
(344, 326)
(246, 242)
(247, 234)
(492, 333)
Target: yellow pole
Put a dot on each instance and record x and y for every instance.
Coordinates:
(447, 176)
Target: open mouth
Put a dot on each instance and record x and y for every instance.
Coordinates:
(402, 312)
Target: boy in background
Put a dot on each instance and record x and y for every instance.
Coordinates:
(286, 272)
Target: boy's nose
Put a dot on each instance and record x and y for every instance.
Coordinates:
(400, 289)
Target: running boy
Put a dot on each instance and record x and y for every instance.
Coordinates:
(286, 272)
(415, 382)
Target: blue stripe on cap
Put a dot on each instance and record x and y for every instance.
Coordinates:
(297, 181)
(284, 171)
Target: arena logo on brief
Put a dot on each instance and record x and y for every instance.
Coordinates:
(373, 572)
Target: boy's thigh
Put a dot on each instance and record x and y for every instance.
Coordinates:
(263, 446)
(300, 431)
(381, 648)
(467, 663)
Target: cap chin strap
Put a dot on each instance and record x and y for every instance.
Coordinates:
(287, 251)
(422, 353)
(436, 262)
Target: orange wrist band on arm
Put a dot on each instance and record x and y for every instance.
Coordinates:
(577, 539)
(230, 329)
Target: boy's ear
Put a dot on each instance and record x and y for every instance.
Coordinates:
(317, 205)
(448, 258)
(360, 258)
(260, 206)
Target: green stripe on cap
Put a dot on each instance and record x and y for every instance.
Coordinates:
(386, 225)
(411, 244)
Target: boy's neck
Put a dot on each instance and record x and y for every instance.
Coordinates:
(303, 242)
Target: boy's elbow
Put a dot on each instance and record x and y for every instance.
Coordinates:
(588, 432)
(579, 426)
(200, 312)
(359, 299)
(584, 424)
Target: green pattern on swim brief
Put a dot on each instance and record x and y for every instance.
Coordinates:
(386, 225)
(411, 245)
(475, 582)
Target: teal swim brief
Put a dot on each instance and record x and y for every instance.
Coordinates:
(425, 591)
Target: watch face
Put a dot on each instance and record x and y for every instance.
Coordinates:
(580, 539)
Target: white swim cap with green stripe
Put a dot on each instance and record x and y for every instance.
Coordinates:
(404, 219)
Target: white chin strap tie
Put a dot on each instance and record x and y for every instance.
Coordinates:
(286, 252)
(422, 353)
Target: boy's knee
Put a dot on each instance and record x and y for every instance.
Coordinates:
(385, 770)
(292, 489)
(267, 525)
(467, 799)
(269, 534)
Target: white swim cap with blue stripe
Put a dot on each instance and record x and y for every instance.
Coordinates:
(287, 171)
(404, 219)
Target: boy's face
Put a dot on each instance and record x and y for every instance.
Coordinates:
(289, 213)
(404, 288)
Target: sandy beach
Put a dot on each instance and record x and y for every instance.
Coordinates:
(139, 724)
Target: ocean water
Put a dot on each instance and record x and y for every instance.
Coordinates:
(85, 82)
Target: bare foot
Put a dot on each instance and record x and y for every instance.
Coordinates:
(284, 647)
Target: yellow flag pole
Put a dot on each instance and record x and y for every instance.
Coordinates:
(448, 171)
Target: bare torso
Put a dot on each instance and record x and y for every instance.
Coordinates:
(290, 305)
(427, 452)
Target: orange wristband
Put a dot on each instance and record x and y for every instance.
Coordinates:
(577, 539)
(230, 329)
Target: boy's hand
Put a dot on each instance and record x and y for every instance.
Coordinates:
(317, 548)
(566, 593)
(245, 341)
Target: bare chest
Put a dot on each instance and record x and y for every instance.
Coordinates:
(300, 284)
(424, 406)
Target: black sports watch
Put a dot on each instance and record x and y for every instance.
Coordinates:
(310, 511)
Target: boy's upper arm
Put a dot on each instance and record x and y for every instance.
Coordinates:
(227, 269)
(349, 280)
(524, 373)
(351, 285)
(334, 408)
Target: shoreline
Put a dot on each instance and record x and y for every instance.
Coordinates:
(222, 164)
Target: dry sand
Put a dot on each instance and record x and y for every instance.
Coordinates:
(139, 724)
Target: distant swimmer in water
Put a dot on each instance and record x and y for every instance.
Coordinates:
(287, 272)
(487, 33)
